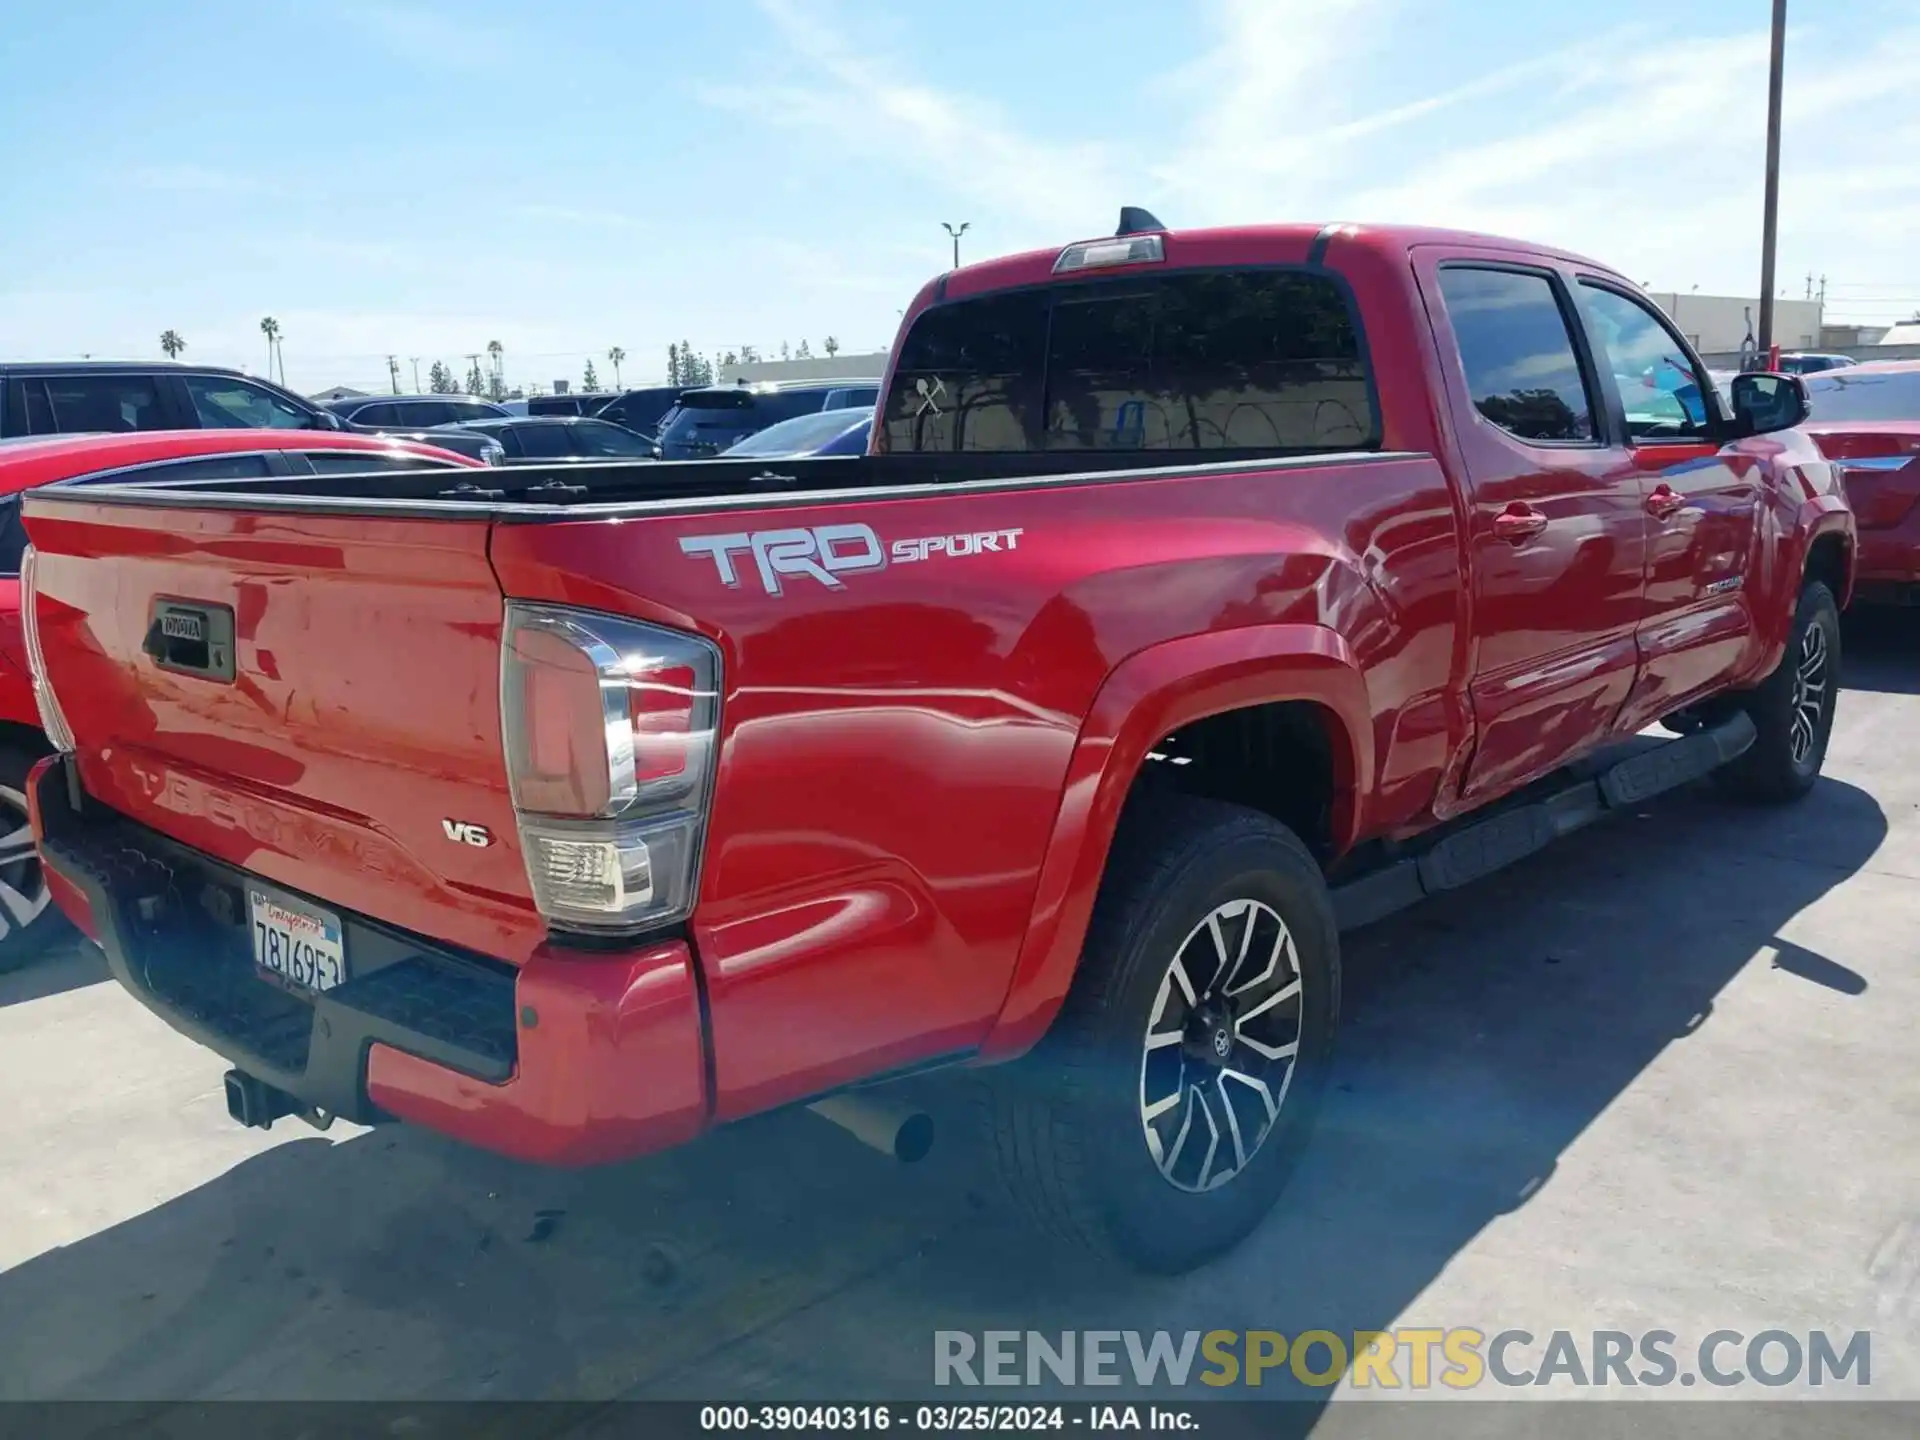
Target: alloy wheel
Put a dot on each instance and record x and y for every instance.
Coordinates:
(23, 888)
(1809, 694)
(1221, 1046)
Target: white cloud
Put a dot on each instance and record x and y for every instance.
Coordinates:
(960, 142)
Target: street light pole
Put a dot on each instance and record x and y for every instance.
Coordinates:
(1772, 213)
(965, 225)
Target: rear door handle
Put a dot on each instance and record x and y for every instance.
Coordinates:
(1664, 501)
(1518, 522)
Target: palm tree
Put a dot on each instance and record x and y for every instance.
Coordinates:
(172, 344)
(616, 355)
(270, 328)
(495, 350)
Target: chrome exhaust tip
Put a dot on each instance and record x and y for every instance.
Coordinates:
(892, 1128)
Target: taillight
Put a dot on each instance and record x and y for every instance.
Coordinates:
(610, 730)
(51, 720)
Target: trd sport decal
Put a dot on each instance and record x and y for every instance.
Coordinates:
(826, 552)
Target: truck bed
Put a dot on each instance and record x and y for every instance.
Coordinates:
(532, 491)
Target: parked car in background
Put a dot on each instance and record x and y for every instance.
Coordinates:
(412, 416)
(714, 418)
(113, 396)
(1808, 362)
(27, 922)
(640, 410)
(413, 412)
(831, 432)
(551, 439)
(1867, 418)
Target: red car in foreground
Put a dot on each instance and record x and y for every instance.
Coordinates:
(27, 924)
(1867, 417)
(1207, 593)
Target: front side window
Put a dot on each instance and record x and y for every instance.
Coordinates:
(1517, 353)
(110, 403)
(591, 437)
(224, 403)
(542, 442)
(472, 410)
(1661, 393)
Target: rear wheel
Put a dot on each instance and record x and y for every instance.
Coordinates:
(1163, 1113)
(1792, 709)
(29, 921)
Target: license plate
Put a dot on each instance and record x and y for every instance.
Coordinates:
(298, 943)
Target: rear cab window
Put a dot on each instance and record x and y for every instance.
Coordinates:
(1257, 359)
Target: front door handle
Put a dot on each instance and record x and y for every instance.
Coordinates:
(1664, 501)
(1518, 522)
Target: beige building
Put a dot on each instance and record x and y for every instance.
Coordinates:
(819, 367)
(1720, 323)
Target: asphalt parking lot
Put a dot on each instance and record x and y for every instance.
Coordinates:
(1660, 1077)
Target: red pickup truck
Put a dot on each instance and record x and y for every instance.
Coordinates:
(1205, 594)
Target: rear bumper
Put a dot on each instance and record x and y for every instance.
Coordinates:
(576, 1058)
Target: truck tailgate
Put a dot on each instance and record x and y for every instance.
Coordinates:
(314, 699)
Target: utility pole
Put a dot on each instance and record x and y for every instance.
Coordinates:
(1770, 222)
(414, 360)
(473, 365)
(393, 372)
(965, 225)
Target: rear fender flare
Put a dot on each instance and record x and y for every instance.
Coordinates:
(1147, 697)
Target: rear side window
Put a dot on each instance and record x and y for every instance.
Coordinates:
(1517, 353)
(419, 414)
(1227, 360)
(204, 467)
(471, 410)
(361, 462)
(111, 403)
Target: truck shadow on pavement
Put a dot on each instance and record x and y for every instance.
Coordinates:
(73, 965)
(780, 1260)
(1880, 650)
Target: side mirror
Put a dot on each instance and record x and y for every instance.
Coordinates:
(327, 420)
(1763, 403)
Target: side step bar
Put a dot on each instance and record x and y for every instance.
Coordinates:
(1495, 843)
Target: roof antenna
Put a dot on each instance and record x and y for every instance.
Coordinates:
(1135, 221)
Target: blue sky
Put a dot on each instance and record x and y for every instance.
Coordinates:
(418, 178)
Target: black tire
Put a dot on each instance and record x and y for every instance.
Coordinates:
(29, 922)
(1792, 709)
(1069, 1122)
